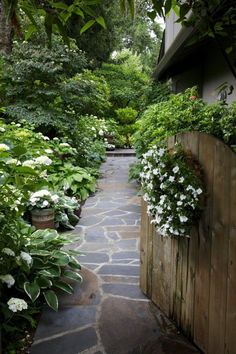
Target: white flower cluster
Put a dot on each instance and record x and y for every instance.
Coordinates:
(43, 199)
(38, 161)
(15, 304)
(171, 190)
(7, 279)
(4, 147)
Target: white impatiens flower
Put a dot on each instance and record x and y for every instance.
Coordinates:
(7, 279)
(26, 257)
(8, 251)
(160, 152)
(2, 130)
(176, 169)
(171, 178)
(199, 191)
(100, 132)
(181, 180)
(16, 304)
(4, 147)
(182, 197)
(155, 171)
(179, 203)
(183, 218)
(43, 160)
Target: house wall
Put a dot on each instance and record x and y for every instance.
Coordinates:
(172, 29)
(215, 73)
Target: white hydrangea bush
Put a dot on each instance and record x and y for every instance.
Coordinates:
(173, 189)
(43, 199)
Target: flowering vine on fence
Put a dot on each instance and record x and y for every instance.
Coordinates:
(173, 189)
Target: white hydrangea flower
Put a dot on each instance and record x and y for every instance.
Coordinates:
(183, 218)
(64, 145)
(2, 130)
(8, 251)
(45, 204)
(43, 160)
(48, 151)
(13, 162)
(4, 147)
(16, 304)
(29, 163)
(26, 257)
(55, 139)
(46, 138)
(7, 279)
(55, 198)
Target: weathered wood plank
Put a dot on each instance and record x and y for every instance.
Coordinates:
(190, 142)
(161, 272)
(230, 330)
(219, 249)
(202, 280)
(143, 246)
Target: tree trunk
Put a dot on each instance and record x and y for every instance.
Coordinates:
(5, 30)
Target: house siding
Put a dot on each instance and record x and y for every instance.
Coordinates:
(172, 29)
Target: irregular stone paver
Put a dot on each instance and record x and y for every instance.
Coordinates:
(108, 313)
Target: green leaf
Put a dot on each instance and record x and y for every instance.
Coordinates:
(101, 21)
(168, 5)
(59, 5)
(38, 263)
(25, 170)
(87, 25)
(51, 299)
(32, 290)
(53, 271)
(44, 282)
(62, 258)
(40, 253)
(31, 29)
(63, 286)
(72, 275)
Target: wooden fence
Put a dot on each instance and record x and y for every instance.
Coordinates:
(193, 280)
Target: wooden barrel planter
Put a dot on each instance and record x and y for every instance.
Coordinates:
(43, 218)
(193, 280)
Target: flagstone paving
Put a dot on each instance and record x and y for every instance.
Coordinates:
(108, 313)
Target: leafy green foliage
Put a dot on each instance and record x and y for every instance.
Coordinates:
(127, 118)
(126, 79)
(184, 112)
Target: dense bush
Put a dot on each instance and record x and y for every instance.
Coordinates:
(127, 81)
(36, 172)
(184, 112)
(51, 88)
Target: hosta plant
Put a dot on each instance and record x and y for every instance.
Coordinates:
(173, 189)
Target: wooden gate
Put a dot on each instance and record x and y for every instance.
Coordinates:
(193, 280)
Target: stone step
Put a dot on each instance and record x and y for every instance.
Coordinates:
(121, 152)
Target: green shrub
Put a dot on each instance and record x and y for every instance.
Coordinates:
(184, 112)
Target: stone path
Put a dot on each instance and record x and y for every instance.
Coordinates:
(108, 314)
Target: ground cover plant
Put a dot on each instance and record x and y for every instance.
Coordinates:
(33, 263)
